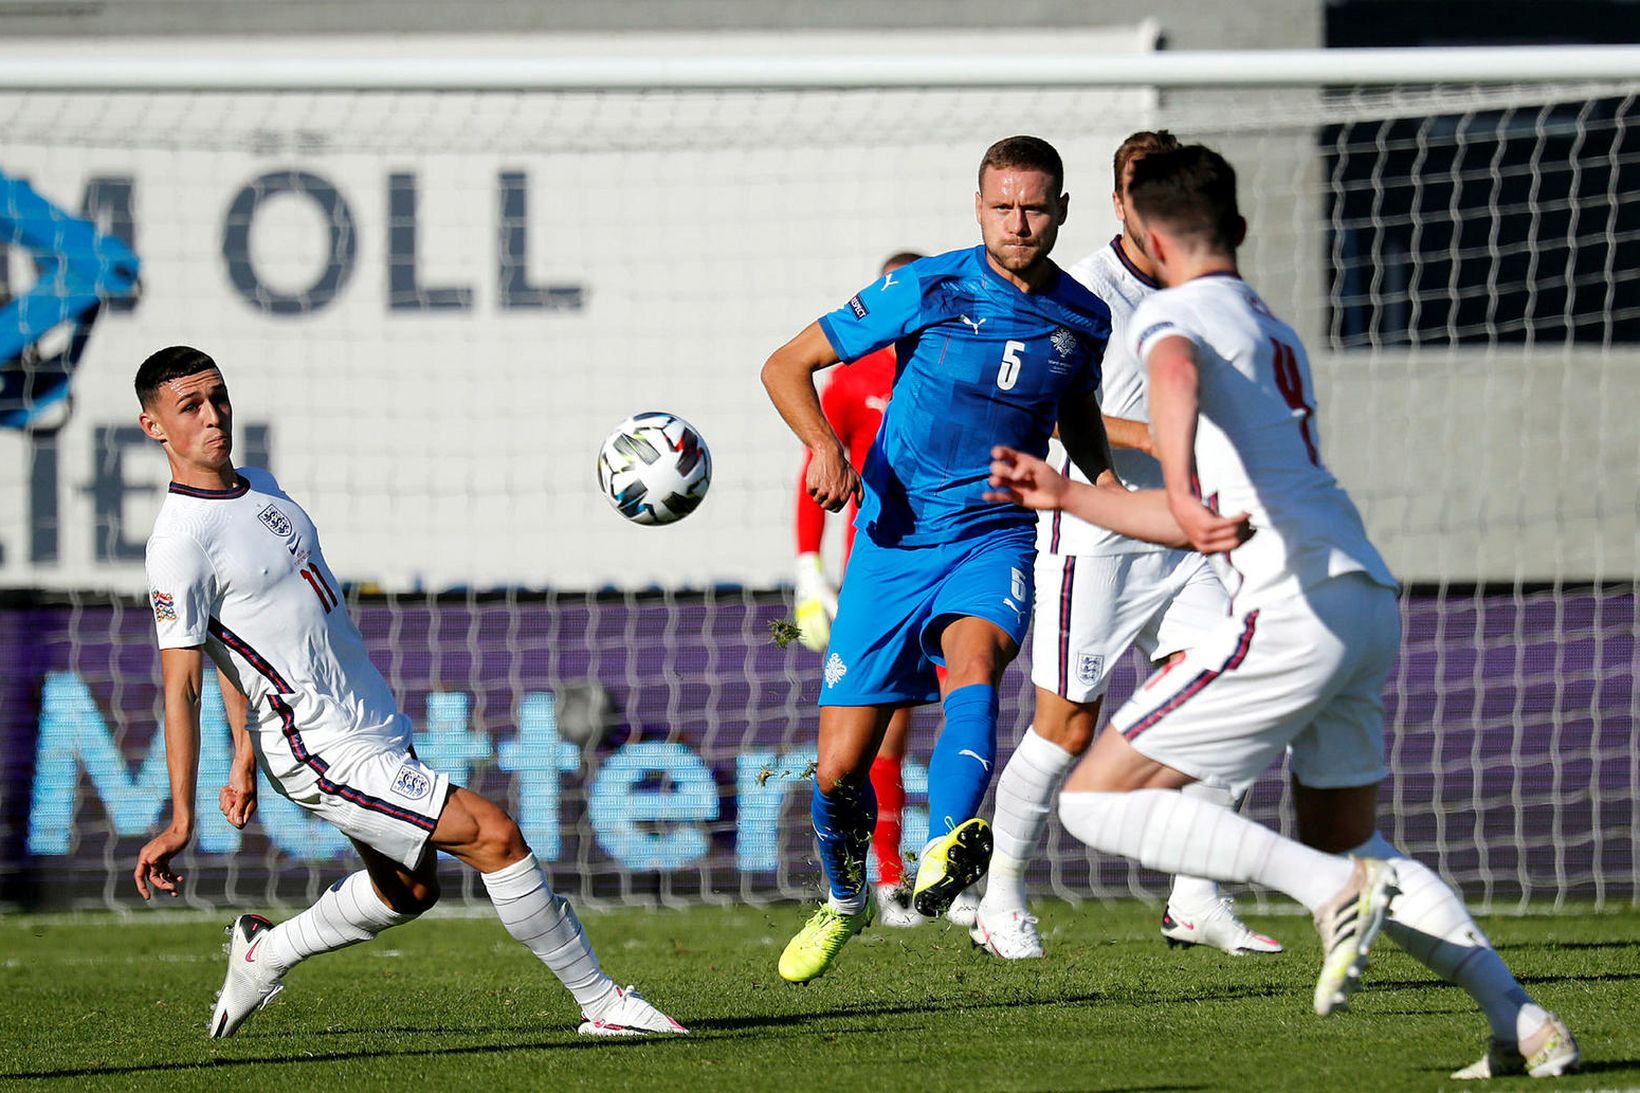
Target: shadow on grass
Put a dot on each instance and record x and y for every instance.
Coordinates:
(316, 1057)
(1569, 946)
(1431, 983)
(715, 1029)
(1598, 1066)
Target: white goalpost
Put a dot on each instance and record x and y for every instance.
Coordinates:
(437, 273)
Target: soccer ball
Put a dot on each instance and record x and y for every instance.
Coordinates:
(654, 468)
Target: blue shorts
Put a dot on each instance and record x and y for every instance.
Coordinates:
(897, 601)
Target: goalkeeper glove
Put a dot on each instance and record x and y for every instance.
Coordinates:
(816, 602)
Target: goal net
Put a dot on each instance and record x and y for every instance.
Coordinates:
(432, 305)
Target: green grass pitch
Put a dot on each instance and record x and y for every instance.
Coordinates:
(99, 1002)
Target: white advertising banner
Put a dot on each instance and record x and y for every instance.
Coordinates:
(431, 308)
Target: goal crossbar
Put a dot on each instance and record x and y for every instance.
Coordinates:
(22, 69)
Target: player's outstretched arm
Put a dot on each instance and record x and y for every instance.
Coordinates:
(1026, 480)
(1142, 514)
(788, 376)
(238, 798)
(183, 675)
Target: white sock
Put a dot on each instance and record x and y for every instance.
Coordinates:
(1428, 920)
(545, 924)
(1025, 793)
(349, 912)
(848, 906)
(1164, 830)
(1199, 893)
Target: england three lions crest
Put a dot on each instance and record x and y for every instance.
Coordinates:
(276, 521)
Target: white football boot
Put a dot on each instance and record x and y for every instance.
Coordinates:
(249, 985)
(631, 1015)
(1548, 1053)
(964, 909)
(894, 907)
(1348, 925)
(1011, 935)
(1218, 927)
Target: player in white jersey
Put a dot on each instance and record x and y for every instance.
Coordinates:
(1097, 594)
(1300, 663)
(236, 574)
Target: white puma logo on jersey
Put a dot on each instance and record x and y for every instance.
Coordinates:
(888, 280)
(977, 757)
(972, 323)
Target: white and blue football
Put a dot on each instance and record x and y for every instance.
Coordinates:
(654, 468)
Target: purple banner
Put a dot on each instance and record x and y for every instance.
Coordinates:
(656, 746)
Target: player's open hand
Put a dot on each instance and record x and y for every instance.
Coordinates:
(1208, 532)
(154, 863)
(1024, 480)
(831, 481)
(238, 797)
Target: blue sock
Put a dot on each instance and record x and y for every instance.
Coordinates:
(843, 820)
(960, 770)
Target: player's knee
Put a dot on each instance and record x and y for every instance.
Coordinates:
(835, 777)
(977, 666)
(499, 840)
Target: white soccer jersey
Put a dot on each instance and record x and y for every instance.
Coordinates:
(1109, 275)
(239, 571)
(1257, 446)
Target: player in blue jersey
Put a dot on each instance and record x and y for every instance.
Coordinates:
(992, 342)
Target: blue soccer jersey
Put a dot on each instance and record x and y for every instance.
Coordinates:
(980, 363)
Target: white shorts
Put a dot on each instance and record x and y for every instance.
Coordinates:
(1305, 674)
(386, 799)
(1091, 607)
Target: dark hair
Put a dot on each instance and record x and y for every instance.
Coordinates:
(1027, 153)
(901, 258)
(1143, 143)
(172, 362)
(1192, 190)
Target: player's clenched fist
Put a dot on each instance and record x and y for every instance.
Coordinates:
(831, 481)
(238, 797)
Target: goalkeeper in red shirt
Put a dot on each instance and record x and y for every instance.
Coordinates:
(853, 403)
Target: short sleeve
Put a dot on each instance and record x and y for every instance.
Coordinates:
(1154, 320)
(182, 590)
(880, 314)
